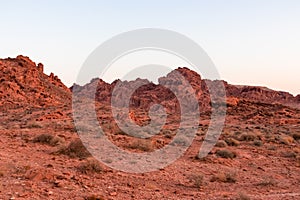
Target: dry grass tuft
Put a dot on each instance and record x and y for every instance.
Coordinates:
(257, 143)
(221, 143)
(286, 139)
(74, 150)
(225, 153)
(247, 137)
(243, 196)
(141, 144)
(228, 177)
(196, 179)
(90, 165)
(48, 139)
(232, 142)
(296, 136)
(267, 182)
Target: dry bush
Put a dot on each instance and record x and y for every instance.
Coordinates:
(296, 136)
(243, 196)
(181, 140)
(228, 177)
(94, 197)
(267, 182)
(74, 150)
(232, 142)
(225, 153)
(196, 179)
(48, 139)
(34, 125)
(247, 137)
(221, 143)
(288, 154)
(257, 143)
(286, 139)
(141, 144)
(90, 165)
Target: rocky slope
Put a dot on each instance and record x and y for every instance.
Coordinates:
(23, 83)
(256, 157)
(150, 93)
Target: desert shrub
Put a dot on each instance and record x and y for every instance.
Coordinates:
(74, 150)
(94, 197)
(181, 140)
(296, 136)
(286, 139)
(232, 142)
(90, 165)
(270, 138)
(221, 143)
(247, 137)
(34, 125)
(48, 139)
(228, 177)
(243, 196)
(289, 154)
(141, 144)
(225, 153)
(267, 182)
(197, 179)
(272, 147)
(257, 143)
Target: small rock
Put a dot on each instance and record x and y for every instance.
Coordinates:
(113, 194)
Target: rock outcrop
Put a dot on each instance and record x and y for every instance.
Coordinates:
(23, 83)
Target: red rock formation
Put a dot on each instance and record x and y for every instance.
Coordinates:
(23, 83)
(150, 93)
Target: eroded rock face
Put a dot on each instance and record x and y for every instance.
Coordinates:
(164, 92)
(23, 83)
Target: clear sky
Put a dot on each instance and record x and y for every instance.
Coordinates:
(254, 42)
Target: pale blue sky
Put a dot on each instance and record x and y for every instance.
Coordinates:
(254, 42)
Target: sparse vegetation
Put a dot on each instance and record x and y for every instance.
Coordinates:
(286, 139)
(289, 154)
(257, 143)
(94, 197)
(221, 143)
(247, 137)
(196, 179)
(267, 182)
(232, 142)
(141, 144)
(48, 139)
(243, 196)
(74, 150)
(296, 136)
(225, 153)
(90, 166)
(34, 125)
(272, 147)
(228, 177)
(181, 140)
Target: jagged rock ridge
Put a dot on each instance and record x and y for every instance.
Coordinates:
(23, 83)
